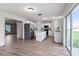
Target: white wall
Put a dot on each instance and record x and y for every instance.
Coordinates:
(55, 24)
(38, 25)
(33, 25)
(2, 30)
(52, 27)
(19, 29)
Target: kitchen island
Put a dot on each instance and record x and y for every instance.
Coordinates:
(40, 35)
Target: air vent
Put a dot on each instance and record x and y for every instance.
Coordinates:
(39, 14)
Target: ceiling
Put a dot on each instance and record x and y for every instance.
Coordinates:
(48, 10)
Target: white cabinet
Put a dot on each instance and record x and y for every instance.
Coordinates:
(57, 37)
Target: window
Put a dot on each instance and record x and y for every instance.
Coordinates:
(7, 28)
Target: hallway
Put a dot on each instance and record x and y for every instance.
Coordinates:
(19, 47)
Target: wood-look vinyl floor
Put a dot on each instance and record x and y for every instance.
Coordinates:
(19, 47)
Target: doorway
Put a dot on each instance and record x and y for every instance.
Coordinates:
(10, 30)
(13, 30)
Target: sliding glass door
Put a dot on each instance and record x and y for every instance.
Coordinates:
(72, 31)
(75, 31)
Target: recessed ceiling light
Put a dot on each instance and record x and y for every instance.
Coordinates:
(30, 9)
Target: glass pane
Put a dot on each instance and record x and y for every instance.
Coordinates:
(8, 28)
(75, 30)
(68, 32)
